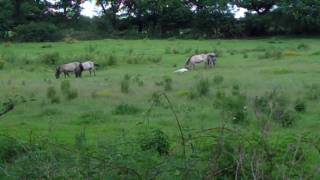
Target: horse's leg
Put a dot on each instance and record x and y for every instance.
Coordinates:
(94, 71)
(90, 71)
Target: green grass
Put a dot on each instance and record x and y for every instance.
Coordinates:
(24, 73)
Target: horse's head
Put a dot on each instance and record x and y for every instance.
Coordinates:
(58, 72)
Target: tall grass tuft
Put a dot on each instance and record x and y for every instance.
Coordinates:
(125, 84)
(52, 95)
(167, 83)
(203, 87)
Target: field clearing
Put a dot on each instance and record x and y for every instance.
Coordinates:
(252, 67)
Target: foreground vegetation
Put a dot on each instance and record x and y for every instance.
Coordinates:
(256, 115)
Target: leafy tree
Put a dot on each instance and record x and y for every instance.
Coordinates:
(259, 6)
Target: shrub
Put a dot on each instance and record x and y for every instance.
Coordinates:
(46, 46)
(37, 31)
(2, 63)
(125, 84)
(203, 87)
(155, 59)
(276, 106)
(217, 79)
(275, 54)
(188, 50)
(72, 94)
(65, 86)
(235, 108)
(112, 60)
(167, 83)
(235, 90)
(52, 95)
(50, 58)
(125, 109)
(303, 46)
(245, 56)
(155, 140)
(288, 118)
(69, 40)
(300, 105)
(167, 50)
(313, 92)
(9, 150)
(156, 98)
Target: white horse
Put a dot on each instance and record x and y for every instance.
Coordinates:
(89, 66)
(209, 59)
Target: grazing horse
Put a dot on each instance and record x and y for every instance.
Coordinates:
(209, 59)
(75, 67)
(89, 66)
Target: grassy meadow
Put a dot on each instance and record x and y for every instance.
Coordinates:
(258, 109)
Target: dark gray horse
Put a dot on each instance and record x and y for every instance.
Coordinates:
(209, 59)
(75, 67)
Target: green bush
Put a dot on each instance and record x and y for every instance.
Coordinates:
(10, 150)
(235, 108)
(125, 85)
(155, 140)
(155, 59)
(218, 79)
(125, 109)
(167, 83)
(72, 94)
(235, 90)
(65, 86)
(50, 58)
(2, 63)
(111, 60)
(203, 87)
(52, 95)
(276, 106)
(37, 32)
(300, 105)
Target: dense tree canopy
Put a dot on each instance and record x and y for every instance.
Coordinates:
(162, 18)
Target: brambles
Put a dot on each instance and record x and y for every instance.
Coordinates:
(155, 140)
(275, 106)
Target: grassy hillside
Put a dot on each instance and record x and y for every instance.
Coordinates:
(264, 92)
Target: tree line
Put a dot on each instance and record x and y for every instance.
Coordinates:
(43, 20)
